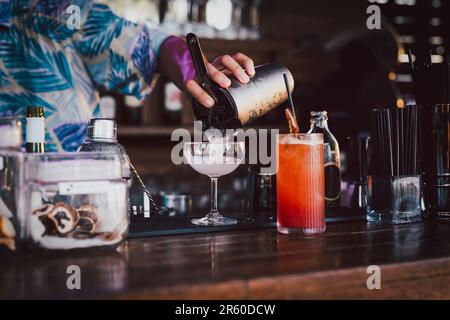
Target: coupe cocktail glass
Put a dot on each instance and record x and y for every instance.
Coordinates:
(214, 159)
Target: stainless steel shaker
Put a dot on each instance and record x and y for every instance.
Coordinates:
(240, 103)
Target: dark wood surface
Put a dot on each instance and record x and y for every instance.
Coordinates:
(260, 264)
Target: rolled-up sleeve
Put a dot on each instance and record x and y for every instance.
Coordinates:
(119, 54)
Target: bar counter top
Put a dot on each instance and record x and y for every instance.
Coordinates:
(248, 264)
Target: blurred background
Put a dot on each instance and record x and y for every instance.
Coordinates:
(338, 64)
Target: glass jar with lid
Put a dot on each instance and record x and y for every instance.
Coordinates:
(76, 200)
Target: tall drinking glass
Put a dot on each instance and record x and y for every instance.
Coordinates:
(300, 184)
(214, 159)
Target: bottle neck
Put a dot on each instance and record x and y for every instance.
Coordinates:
(319, 123)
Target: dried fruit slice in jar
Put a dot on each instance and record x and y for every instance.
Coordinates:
(7, 229)
(88, 211)
(64, 217)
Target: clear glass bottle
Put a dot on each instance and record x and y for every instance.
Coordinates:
(319, 124)
(102, 136)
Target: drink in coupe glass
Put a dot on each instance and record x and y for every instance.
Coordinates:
(214, 159)
(300, 184)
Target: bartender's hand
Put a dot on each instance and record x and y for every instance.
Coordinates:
(238, 65)
(176, 63)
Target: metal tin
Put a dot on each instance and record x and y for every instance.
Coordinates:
(265, 91)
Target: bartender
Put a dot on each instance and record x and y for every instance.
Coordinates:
(46, 60)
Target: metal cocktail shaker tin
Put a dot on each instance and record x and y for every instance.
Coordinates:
(240, 103)
(265, 91)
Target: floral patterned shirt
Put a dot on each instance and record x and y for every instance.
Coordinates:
(45, 60)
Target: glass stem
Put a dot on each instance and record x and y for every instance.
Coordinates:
(214, 210)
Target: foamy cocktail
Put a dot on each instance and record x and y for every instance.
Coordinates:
(214, 159)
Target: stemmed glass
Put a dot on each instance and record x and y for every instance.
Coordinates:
(214, 159)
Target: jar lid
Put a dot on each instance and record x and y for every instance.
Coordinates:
(75, 166)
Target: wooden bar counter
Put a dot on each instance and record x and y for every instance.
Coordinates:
(250, 264)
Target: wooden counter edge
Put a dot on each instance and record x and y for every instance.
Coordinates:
(425, 279)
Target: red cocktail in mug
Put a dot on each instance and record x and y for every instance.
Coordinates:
(300, 184)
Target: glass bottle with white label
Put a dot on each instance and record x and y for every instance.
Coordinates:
(319, 124)
(35, 131)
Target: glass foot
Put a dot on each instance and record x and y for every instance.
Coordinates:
(214, 220)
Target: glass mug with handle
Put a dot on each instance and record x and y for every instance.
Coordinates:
(300, 184)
